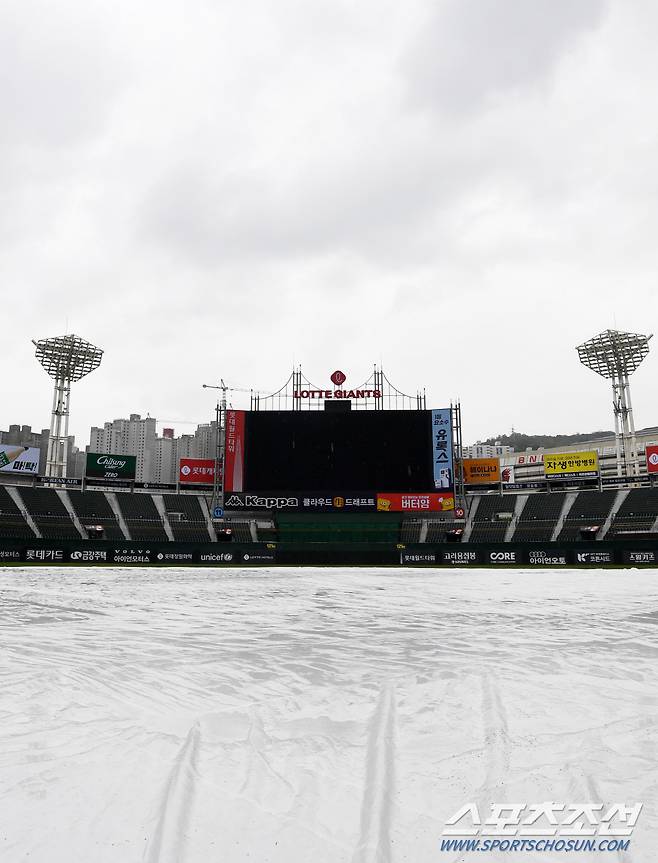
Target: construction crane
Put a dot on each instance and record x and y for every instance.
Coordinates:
(217, 505)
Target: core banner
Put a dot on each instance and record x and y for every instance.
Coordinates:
(234, 454)
(652, 459)
(442, 448)
(571, 465)
(481, 470)
(102, 465)
(19, 459)
(415, 502)
(196, 471)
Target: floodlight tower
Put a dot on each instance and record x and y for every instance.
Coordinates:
(66, 359)
(616, 355)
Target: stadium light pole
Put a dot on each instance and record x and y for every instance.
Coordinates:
(218, 479)
(66, 359)
(616, 355)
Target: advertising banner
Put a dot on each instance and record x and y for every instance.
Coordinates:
(105, 466)
(19, 459)
(652, 459)
(234, 452)
(507, 473)
(442, 448)
(571, 465)
(415, 502)
(481, 470)
(196, 471)
(302, 501)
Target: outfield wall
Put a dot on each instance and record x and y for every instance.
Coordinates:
(527, 555)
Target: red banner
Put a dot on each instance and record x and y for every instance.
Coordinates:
(234, 454)
(196, 470)
(415, 502)
(652, 459)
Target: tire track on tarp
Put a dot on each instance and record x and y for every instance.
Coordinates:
(496, 735)
(168, 842)
(374, 844)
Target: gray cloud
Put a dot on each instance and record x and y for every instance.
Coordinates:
(462, 191)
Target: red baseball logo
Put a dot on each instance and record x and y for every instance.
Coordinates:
(338, 378)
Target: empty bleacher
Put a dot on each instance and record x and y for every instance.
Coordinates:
(410, 530)
(240, 530)
(186, 518)
(93, 508)
(141, 517)
(487, 524)
(437, 530)
(538, 518)
(12, 521)
(48, 513)
(637, 513)
(590, 508)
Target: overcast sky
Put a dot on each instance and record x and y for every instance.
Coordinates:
(463, 190)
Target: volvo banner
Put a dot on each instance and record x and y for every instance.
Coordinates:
(19, 459)
(442, 448)
(105, 466)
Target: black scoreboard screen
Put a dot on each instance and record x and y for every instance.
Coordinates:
(318, 451)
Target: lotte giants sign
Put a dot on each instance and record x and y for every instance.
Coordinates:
(338, 378)
(196, 470)
(652, 459)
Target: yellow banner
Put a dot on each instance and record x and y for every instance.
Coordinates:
(481, 470)
(571, 464)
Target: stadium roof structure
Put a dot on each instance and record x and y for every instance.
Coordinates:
(613, 353)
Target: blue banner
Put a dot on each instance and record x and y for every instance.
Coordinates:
(442, 448)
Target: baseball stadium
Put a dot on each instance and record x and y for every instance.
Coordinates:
(335, 474)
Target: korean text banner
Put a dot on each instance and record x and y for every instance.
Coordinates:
(565, 465)
(196, 470)
(415, 502)
(652, 459)
(442, 448)
(19, 459)
(105, 466)
(234, 454)
(481, 470)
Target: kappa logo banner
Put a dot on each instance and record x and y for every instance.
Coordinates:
(303, 502)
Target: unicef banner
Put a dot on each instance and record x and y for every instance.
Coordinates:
(106, 466)
(442, 448)
(19, 459)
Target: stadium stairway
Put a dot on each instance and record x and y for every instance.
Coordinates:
(17, 523)
(621, 497)
(63, 496)
(569, 500)
(519, 503)
(159, 505)
(116, 509)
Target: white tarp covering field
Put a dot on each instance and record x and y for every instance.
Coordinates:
(317, 715)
